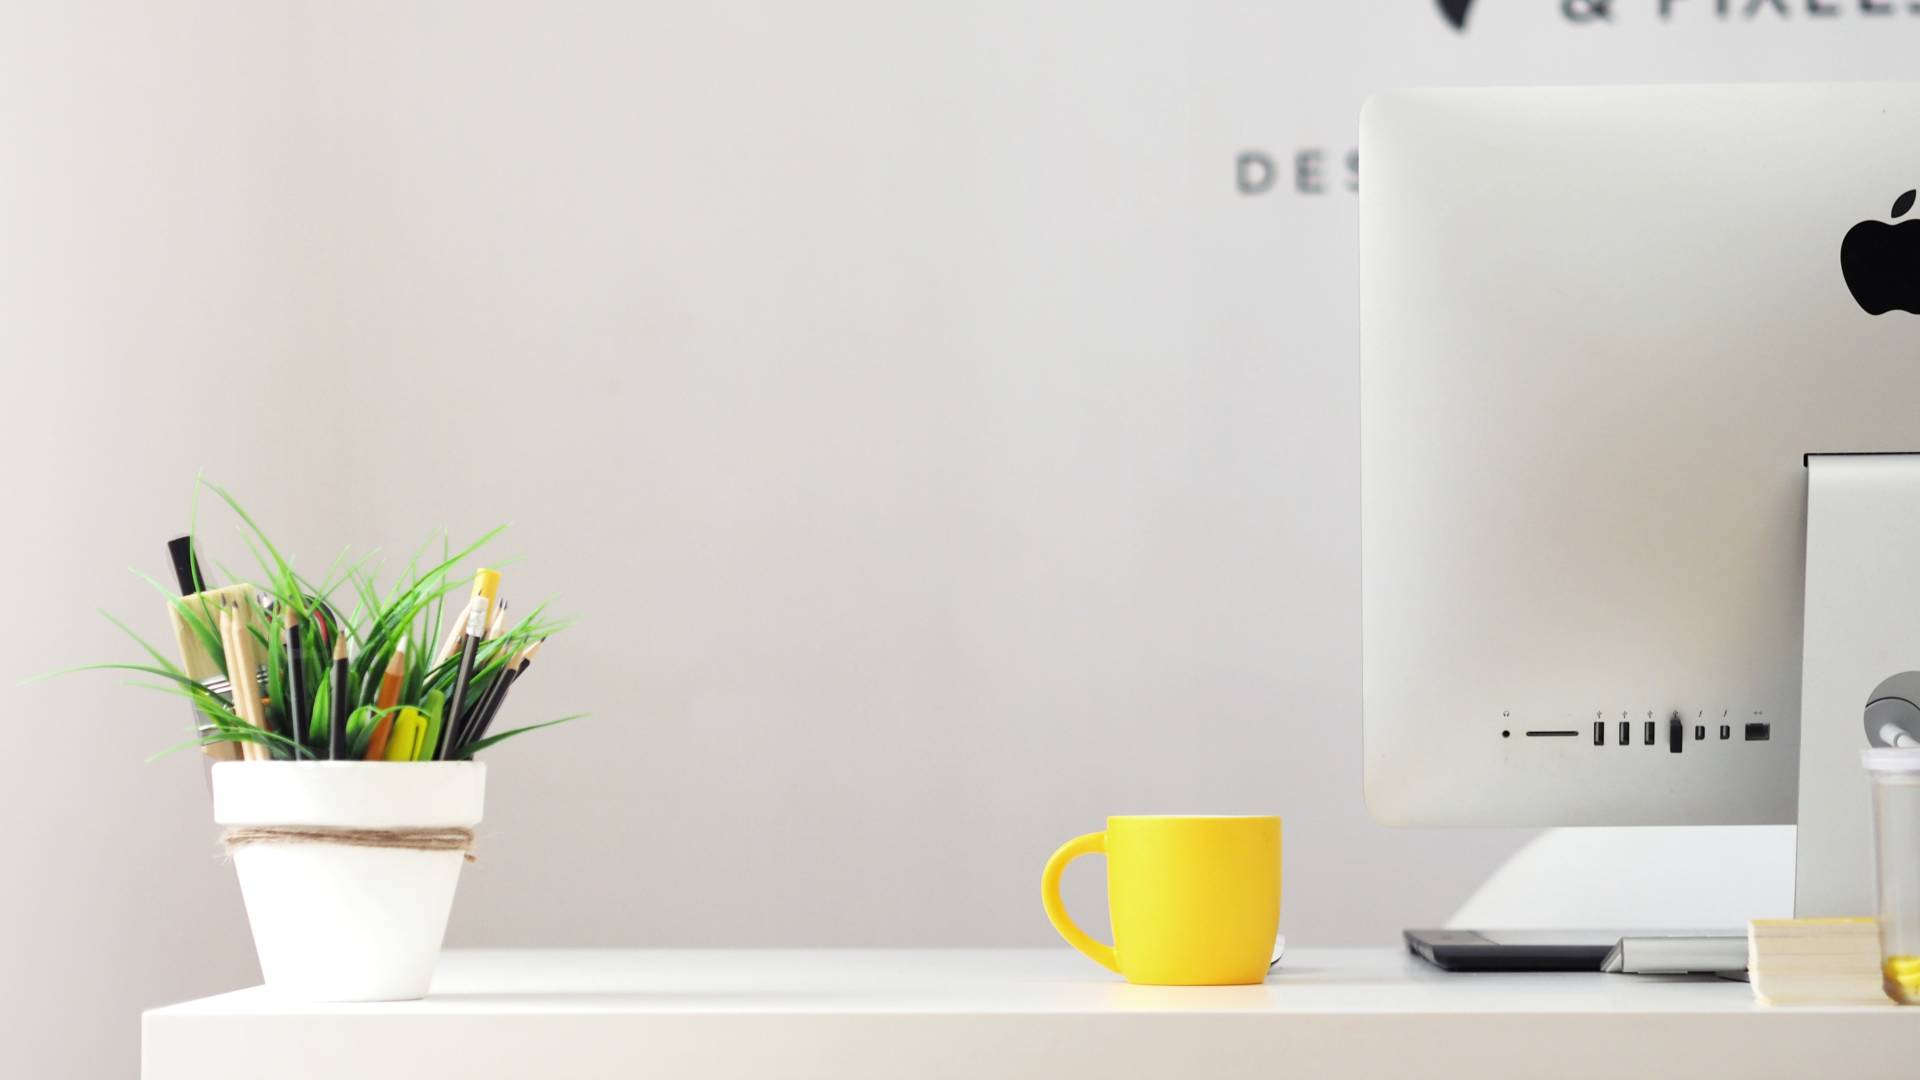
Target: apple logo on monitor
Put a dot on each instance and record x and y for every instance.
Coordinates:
(1881, 262)
(1455, 12)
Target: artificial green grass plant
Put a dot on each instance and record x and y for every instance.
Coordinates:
(411, 611)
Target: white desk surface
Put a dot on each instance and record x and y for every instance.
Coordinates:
(897, 1014)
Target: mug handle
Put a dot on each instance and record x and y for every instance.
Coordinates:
(1090, 844)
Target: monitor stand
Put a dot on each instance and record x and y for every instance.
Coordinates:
(1860, 649)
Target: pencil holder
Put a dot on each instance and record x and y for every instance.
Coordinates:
(348, 868)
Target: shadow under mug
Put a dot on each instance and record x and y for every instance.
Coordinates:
(1195, 901)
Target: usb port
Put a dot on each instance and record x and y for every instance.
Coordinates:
(1599, 733)
(1648, 735)
(1699, 733)
(1759, 732)
(1726, 731)
(1626, 733)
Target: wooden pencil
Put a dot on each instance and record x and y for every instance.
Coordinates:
(242, 684)
(454, 636)
(223, 625)
(250, 661)
(388, 697)
(230, 656)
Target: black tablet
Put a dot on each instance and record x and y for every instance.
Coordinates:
(1513, 950)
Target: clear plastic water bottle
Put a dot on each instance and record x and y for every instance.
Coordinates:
(1896, 830)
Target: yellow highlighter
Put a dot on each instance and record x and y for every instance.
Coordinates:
(430, 710)
(408, 736)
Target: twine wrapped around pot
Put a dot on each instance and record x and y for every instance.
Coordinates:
(436, 839)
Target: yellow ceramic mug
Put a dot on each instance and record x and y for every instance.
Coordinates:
(1195, 901)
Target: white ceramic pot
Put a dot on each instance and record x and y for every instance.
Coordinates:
(338, 923)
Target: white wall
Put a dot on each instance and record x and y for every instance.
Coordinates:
(145, 219)
(937, 450)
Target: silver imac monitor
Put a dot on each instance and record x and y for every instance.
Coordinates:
(1600, 330)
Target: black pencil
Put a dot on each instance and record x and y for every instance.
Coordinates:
(299, 701)
(186, 565)
(337, 721)
(508, 678)
(464, 725)
(476, 628)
